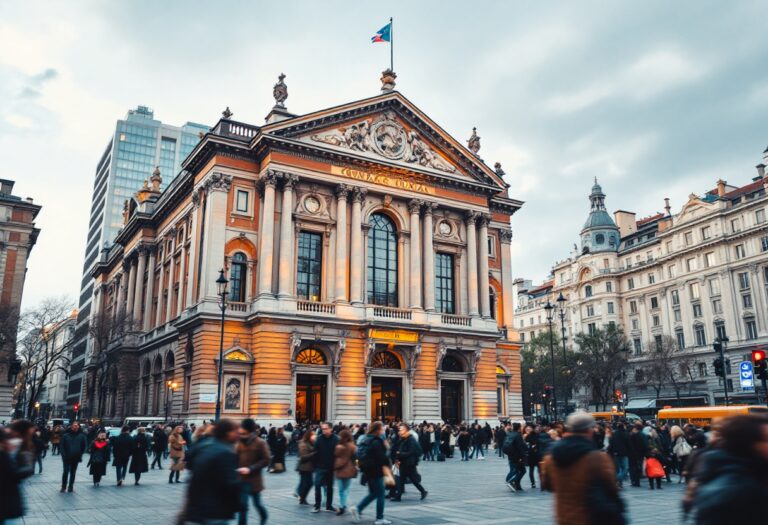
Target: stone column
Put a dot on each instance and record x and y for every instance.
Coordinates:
(472, 263)
(266, 234)
(171, 278)
(414, 207)
(139, 286)
(485, 300)
(356, 254)
(214, 233)
(429, 259)
(192, 265)
(507, 300)
(342, 191)
(160, 287)
(182, 279)
(285, 269)
(150, 291)
(131, 288)
(120, 305)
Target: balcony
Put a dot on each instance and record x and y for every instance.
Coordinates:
(237, 307)
(316, 307)
(386, 312)
(456, 320)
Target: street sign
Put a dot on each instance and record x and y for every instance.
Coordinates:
(746, 376)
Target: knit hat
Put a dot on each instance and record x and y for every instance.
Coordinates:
(579, 422)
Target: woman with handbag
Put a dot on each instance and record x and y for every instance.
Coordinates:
(99, 457)
(176, 443)
(681, 449)
(344, 467)
(654, 468)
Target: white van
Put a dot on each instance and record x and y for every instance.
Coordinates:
(142, 421)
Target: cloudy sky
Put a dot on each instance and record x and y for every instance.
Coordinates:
(656, 99)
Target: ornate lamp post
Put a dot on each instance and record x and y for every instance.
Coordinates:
(549, 308)
(221, 288)
(561, 311)
(172, 386)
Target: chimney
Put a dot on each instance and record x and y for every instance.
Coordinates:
(720, 187)
(760, 170)
(667, 207)
(626, 222)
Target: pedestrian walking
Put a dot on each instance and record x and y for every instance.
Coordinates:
(122, 446)
(375, 466)
(39, 447)
(178, 446)
(463, 441)
(654, 466)
(407, 460)
(583, 479)
(99, 453)
(425, 437)
(16, 464)
(139, 462)
(681, 450)
(159, 446)
(515, 449)
(478, 442)
(533, 453)
(325, 450)
(344, 467)
(58, 431)
(253, 457)
(278, 449)
(730, 483)
(306, 465)
(637, 452)
(72, 447)
(215, 488)
(618, 448)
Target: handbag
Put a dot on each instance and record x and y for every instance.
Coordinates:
(653, 468)
(682, 448)
(389, 479)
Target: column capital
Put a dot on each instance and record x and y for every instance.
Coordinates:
(414, 205)
(471, 217)
(429, 207)
(195, 199)
(218, 182)
(505, 236)
(342, 192)
(289, 181)
(359, 194)
(270, 178)
(484, 219)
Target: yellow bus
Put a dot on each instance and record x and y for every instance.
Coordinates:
(703, 416)
(609, 417)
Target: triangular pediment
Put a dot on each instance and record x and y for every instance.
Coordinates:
(389, 129)
(694, 208)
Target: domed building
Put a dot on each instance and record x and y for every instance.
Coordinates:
(600, 233)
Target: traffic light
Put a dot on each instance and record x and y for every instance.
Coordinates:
(617, 396)
(76, 407)
(718, 346)
(760, 364)
(717, 363)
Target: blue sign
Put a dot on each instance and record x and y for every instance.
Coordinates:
(746, 376)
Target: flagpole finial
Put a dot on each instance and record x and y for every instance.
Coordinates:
(388, 80)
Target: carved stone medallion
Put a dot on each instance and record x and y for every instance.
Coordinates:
(389, 139)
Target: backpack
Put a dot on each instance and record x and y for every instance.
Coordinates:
(364, 460)
(508, 447)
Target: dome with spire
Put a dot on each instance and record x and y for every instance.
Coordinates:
(600, 233)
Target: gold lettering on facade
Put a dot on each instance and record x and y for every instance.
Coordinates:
(393, 181)
(400, 336)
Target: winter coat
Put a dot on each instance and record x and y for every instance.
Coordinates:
(122, 446)
(572, 469)
(376, 458)
(159, 440)
(344, 461)
(325, 448)
(306, 457)
(729, 489)
(638, 446)
(409, 452)
(534, 452)
(12, 473)
(278, 448)
(139, 461)
(176, 443)
(99, 452)
(618, 444)
(252, 452)
(72, 446)
(215, 488)
(514, 447)
(463, 440)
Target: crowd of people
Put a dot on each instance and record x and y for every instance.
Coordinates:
(585, 463)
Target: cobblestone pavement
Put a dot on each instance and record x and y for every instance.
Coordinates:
(459, 492)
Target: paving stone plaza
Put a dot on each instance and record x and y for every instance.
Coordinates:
(459, 492)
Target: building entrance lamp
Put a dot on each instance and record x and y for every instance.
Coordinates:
(549, 307)
(171, 388)
(561, 311)
(221, 289)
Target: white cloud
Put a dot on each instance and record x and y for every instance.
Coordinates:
(19, 121)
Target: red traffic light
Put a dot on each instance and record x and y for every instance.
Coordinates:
(758, 355)
(76, 407)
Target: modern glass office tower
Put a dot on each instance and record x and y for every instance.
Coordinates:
(138, 145)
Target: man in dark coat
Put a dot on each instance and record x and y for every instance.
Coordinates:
(515, 449)
(325, 454)
(122, 447)
(72, 447)
(139, 463)
(159, 444)
(407, 457)
(214, 493)
(618, 448)
(372, 465)
(638, 448)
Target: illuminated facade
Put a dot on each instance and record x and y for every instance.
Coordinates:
(369, 266)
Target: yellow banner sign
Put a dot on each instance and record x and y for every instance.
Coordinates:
(393, 181)
(400, 336)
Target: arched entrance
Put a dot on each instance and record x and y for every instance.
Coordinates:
(452, 389)
(311, 386)
(386, 387)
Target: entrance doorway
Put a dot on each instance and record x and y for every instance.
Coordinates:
(387, 398)
(311, 392)
(452, 401)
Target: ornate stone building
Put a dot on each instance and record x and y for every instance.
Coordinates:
(17, 237)
(369, 266)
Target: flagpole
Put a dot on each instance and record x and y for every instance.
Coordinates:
(391, 45)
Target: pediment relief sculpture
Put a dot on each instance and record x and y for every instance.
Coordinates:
(386, 137)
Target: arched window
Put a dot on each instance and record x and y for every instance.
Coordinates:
(386, 360)
(237, 278)
(492, 301)
(452, 364)
(311, 356)
(382, 261)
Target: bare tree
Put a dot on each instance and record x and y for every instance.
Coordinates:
(39, 353)
(602, 359)
(667, 365)
(103, 328)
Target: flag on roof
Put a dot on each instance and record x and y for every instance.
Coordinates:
(383, 35)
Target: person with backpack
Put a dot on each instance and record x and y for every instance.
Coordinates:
(375, 466)
(515, 449)
(325, 454)
(407, 458)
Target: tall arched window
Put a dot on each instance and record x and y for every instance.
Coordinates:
(492, 301)
(237, 278)
(382, 261)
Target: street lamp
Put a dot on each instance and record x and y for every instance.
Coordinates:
(172, 386)
(221, 288)
(37, 409)
(549, 308)
(561, 311)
